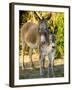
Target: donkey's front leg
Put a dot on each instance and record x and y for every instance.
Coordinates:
(49, 64)
(52, 67)
(41, 65)
(48, 68)
(30, 55)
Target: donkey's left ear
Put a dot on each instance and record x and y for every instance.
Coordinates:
(55, 29)
(36, 16)
(48, 16)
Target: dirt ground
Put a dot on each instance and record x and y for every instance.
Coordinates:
(30, 73)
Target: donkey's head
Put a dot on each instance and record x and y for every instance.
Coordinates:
(52, 38)
(42, 27)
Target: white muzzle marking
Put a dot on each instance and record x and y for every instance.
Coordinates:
(53, 44)
(43, 38)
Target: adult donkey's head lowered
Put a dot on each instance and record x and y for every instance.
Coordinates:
(34, 34)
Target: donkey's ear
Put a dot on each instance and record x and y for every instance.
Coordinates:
(36, 16)
(48, 16)
(55, 29)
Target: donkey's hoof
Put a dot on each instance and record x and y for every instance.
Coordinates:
(22, 68)
(41, 75)
(48, 76)
(33, 67)
(53, 76)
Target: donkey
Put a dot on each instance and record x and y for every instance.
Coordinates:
(48, 50)
(31, 35)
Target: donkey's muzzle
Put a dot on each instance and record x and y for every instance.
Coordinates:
(53, 46)
(43, 43)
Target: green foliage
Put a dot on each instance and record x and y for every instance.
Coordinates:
(57, 19)
(60, 34)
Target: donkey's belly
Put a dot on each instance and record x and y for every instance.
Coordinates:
(31, 45)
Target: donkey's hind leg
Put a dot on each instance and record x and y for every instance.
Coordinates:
(23, 53)
(30, 55)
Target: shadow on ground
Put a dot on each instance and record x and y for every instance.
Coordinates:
(30, 73)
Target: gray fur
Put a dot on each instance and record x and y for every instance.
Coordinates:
(48, 50)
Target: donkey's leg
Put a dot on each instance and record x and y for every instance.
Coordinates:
(52, 67)
(41, 68)
(49, 62)
(40, 62)
(23, 53)
(30, 55)
(41, 65)
(48, 67)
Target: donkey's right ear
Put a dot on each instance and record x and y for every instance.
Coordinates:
(48, 16)
(55, 29)
(36, 16)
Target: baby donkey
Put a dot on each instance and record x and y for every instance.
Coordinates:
(48, 50)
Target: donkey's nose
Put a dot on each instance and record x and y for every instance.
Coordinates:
(43, 38)
(53, 46)
(43, 42)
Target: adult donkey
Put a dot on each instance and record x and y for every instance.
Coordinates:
(33, 35)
